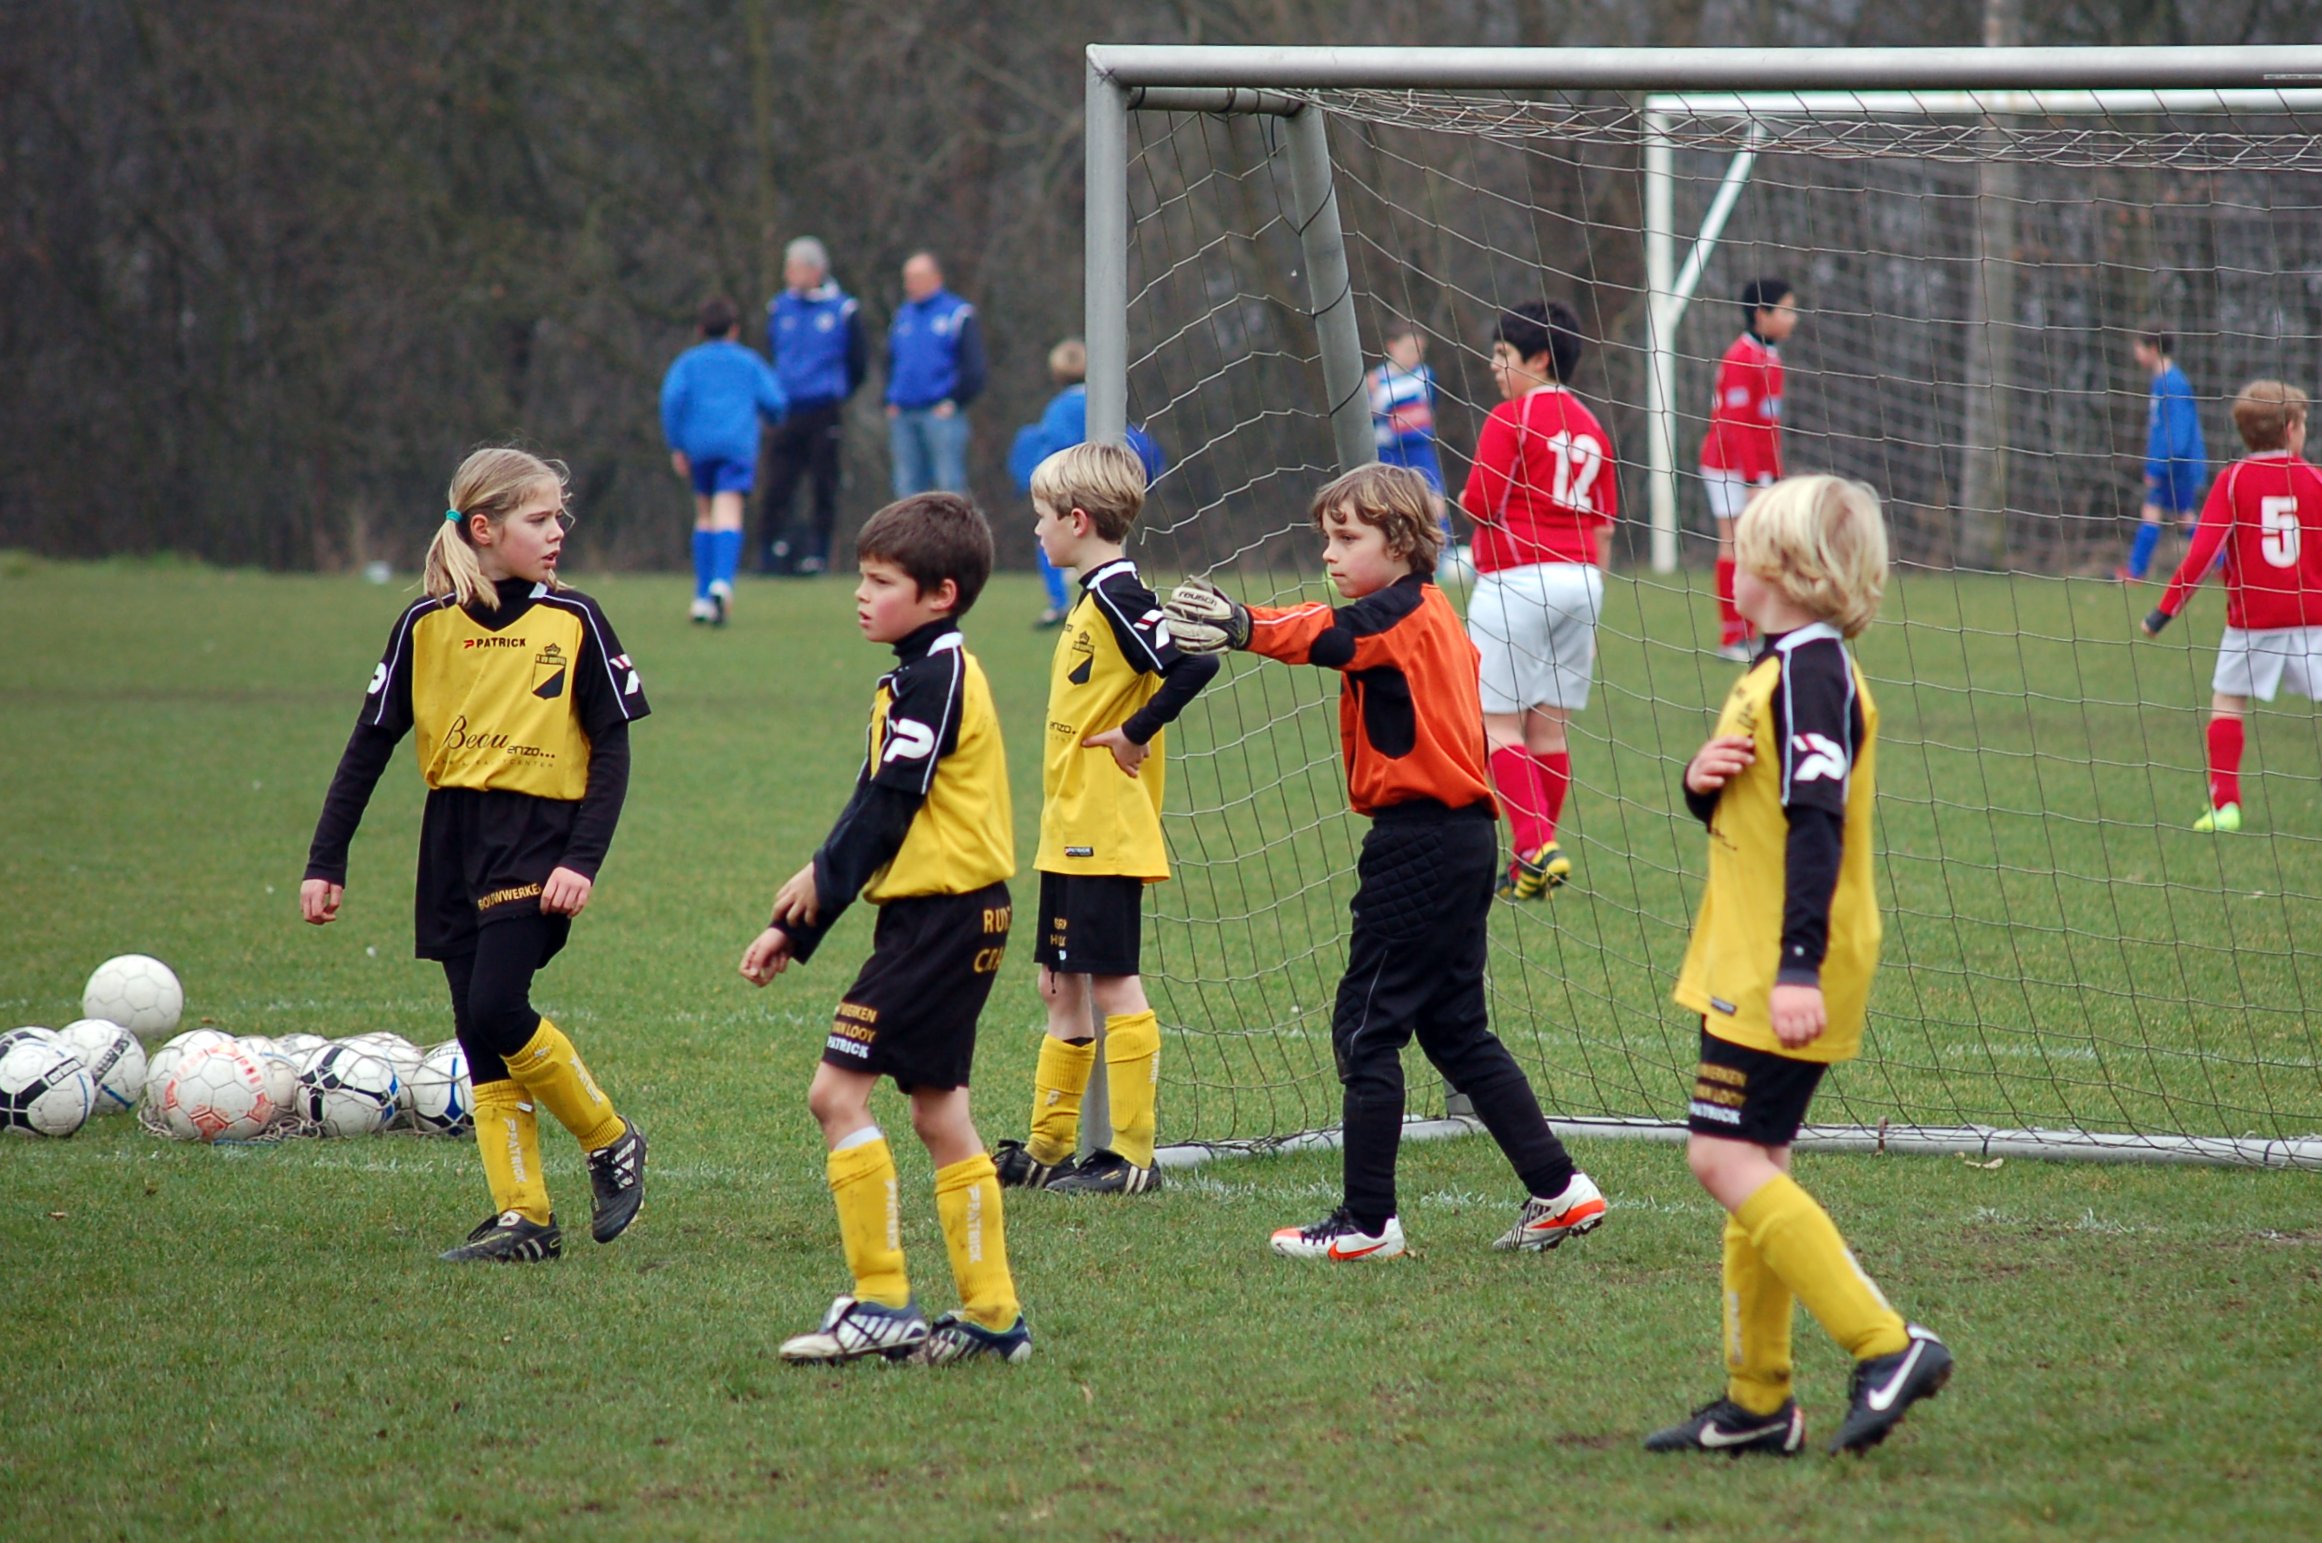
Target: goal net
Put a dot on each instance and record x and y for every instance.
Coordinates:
(2068, 967)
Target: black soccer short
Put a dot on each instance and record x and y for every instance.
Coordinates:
(911, 1013)
(1089, 923)
(483, 857)
(1750, 1095)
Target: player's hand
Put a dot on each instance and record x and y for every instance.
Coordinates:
(767, 956)
(1128, 755)
(679, 464)
(565, 893)
(1719, 762)
(945, 409)
(2154, 622)
(797, 901)
(1204, 619)
(1798, 1015)
(318, 901)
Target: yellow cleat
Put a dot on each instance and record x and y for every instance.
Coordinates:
(2226, 818)
(1531, 877)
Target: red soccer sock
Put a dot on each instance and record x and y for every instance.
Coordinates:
(1518, 778)
(1555, 782)
(1731, 629)
(2225, 738)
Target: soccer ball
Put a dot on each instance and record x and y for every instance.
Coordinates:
(164, 1061)
(346, 1091)
(399, 1053)
(216, 1094)
(137, 992)
(115, 1060)
(44, 1089)
(31, 1033)
(299, 1046)
(276, 1065)
(442, 1101)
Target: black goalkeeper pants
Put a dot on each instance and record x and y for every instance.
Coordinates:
(804, 444)
(491, 989)
(1415, 968)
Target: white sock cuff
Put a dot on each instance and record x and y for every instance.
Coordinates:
(860, 1138)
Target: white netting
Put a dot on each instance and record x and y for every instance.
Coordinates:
(2062, 953)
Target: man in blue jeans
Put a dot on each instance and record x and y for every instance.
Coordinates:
(935, 368)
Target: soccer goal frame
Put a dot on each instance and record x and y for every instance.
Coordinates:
(1990, 84)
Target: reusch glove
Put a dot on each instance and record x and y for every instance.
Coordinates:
(1204, 619)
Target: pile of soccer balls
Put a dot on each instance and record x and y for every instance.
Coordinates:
(207, 1085)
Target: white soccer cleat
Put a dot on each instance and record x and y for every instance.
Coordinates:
(1546, 1223)
(1336, 1238)
(852, 1330)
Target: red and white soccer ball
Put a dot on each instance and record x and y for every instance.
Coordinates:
(136, 991)
(114, 1057)
(278, 1066)
(44, 1089)
(163, 1062)
(216, 1093)
(344, 1090)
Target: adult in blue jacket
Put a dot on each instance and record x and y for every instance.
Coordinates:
(711, 402)
(1063, 424)
(935, 368)
(814, 334)
(2176, 461)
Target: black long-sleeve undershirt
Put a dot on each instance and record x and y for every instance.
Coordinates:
(865, 838)
(1810, 856)
(1181, 682)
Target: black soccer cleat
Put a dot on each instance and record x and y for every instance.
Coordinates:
(617, 1174)
(1725, 1426)
(509, 1239)
(1886, 1386)
(1014, 1163)
(1106, 1172)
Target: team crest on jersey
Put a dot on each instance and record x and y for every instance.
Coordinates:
(1085, 646)
(548, 673)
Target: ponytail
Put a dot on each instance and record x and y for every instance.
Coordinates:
(490, 482)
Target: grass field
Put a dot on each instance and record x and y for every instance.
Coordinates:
(259, 1343)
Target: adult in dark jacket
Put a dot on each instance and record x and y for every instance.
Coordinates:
(814, 334)
(935, 368)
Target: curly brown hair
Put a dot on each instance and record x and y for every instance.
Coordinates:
(1397, 500)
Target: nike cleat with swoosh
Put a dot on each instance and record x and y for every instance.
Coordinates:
(1725, 1426)
(1886, 1386)
(1337, 1238)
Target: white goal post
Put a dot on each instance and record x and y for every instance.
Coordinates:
(1975, 86)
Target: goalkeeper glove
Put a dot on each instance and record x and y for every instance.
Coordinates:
(2155, 622)
(1205, 619)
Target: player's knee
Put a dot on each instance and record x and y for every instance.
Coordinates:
(1116, 994)
(1707, 1159)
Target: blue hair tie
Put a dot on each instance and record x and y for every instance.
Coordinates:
(451, 514)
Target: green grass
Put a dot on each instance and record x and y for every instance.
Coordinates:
(259, 1343)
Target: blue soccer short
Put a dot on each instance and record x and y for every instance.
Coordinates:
(722, 476)
(2177, 493)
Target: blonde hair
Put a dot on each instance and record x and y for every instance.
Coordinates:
(2264, 411)
(1068, 361)
(1397, 500)
(1105, 482)
(490, 482)
(1822, 542)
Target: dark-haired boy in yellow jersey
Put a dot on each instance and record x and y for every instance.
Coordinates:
(1116, 681)
(927, 838)
(1780, 969)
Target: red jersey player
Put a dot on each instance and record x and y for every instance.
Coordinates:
(1742, 452)
(2265, 513)
(1543, 493)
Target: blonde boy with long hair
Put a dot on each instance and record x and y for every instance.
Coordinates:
(1780, 968)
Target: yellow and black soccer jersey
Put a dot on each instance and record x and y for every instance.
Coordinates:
(930, 813)
(1790, 896)
(1115, 668)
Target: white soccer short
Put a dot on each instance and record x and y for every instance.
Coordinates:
(2259, 662)
(1535, 627)
(1729, 492)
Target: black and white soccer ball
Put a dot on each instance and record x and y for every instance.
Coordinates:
(136, 991)
(115, 1059)
(44, 1089)
(31, 1032)
(344, 1090)
(442, 1099)
(399, 1053)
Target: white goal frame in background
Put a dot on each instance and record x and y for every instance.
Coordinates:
(1989, 84)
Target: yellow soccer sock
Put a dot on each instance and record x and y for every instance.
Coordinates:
(551, 1071)
(1133, 1078)
(862, 1185)
(1757, 1326)
(1797, 1241)
(967, 1202)
(1058, 1084)
(508, 1136)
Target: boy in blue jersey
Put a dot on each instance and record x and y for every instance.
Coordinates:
(2176, 461)
(1402, 392)
(711, 401)
(1063, 424)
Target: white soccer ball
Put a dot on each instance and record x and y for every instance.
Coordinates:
(346, 1091)
(216, 1093)
(44, 1089)
(163, 1062)
(442, 1100)
(115, 1060)
(400, 1053)
(30, 1033)
(278, 1066)
(136, 991)
(299, 1046)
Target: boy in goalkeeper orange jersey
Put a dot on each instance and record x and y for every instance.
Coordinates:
(1780, 968)
(1411, 727)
